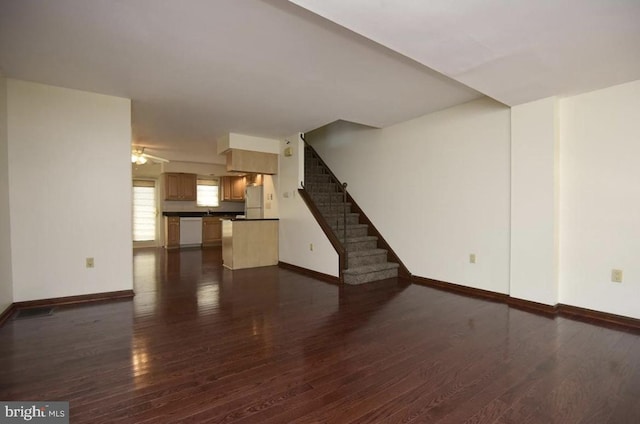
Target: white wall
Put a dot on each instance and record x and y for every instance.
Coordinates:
(222, 145)
(148, 170)
(534, 201)
(70, 191)
(600, 199)
(437, 188)
(298, 227)
(6, 280)
(440, 187)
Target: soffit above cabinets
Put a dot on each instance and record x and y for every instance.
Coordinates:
(252, 162)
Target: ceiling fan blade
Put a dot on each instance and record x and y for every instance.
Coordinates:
(155, 158)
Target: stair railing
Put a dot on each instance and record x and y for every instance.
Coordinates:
(403, 271)
(341, 188)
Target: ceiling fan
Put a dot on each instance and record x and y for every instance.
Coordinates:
(139, 157)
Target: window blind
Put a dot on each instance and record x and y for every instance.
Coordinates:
(207, 193)
(144, 210)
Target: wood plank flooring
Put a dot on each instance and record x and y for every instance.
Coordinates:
(202, 344)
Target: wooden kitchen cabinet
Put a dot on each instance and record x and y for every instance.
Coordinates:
(232, 189)
(180, 186)
(189, 186)
(237, 189)
(211, 231)
(172, 232)
(171, 186)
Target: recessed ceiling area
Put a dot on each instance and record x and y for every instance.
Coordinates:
(514, 51)
(198, 69)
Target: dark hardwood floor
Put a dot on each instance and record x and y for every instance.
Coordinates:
(201, 344)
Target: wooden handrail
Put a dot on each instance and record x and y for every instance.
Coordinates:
(326, 228)
(331, 174)
(341, 186)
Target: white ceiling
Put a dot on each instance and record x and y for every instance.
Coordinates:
(515, 51)
(197, 69)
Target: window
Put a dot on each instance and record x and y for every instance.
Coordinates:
(144, 210)
(207, 193)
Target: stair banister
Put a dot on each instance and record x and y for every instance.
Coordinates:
(343, 188)
(316, 190)
(344, 212)
(333, 239)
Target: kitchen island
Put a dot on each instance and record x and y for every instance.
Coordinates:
(249, 243)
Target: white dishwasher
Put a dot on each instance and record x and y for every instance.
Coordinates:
(190, 231)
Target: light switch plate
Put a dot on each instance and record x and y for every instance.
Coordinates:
(616, 275)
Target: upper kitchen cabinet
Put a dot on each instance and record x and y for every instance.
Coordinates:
(232, 189)
(252, 162)
(180, 186)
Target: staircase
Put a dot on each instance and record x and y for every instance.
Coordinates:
(365, 262)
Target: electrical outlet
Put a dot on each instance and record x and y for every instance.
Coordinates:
(472, 258)
(311, 246)
(616, 275)
(89, 262)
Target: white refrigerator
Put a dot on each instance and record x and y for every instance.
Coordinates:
(253, 203)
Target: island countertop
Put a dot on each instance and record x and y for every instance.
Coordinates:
(251, 219)
(182, 214)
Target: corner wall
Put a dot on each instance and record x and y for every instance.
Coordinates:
(437, 187)
(70, 191)
(6, 277)
(600, 199)
(534, 201)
